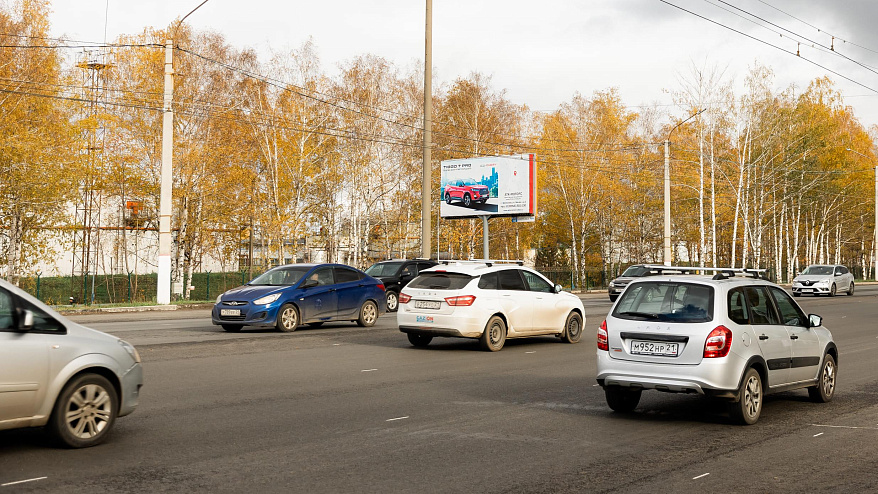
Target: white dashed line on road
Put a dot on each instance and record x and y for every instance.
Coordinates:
(818, 434)
(702, 475)
(397, 418)
(368, 370)
(530, 352)
(22, 481)
(845, 427)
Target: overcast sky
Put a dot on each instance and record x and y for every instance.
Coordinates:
(540, 52)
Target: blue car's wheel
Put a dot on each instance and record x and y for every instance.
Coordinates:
(287, 318)
(368, 314)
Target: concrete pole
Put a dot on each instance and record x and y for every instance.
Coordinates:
(485, 251)
(163, 293)
(875, 244)
(667, 256)
(428, 128)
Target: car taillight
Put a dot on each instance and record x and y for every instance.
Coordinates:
(381, 286)
(718, 342)
(603, 337)
(404, 298)
(463, 300)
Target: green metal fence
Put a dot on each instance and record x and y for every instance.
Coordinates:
(123, 288)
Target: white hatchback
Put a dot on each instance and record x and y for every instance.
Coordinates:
(488, 300)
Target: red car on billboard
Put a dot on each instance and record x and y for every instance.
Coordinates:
(467, 191)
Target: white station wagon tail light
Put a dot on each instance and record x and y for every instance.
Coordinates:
(603, 337)
(461, 301)
(404, 298)
(718, 342)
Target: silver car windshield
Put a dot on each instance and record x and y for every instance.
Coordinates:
(666, 301)
(819, 270)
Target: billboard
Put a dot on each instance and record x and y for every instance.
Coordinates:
(488, 186)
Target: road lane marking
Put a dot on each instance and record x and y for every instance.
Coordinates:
(845, 427)
(336, 344)
(702, 475)
(22, 481)
(530, 352)
(818, 434)
(397, 418)
(368, 370)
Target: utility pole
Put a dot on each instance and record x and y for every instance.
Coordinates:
(667, 249)
(163, 295)
(875, 239)
(428, 128)
(667, 180)
(163, 289)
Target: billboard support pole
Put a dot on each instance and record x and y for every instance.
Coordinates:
(485, 250)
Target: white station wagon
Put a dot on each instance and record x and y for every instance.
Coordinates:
(488, 300)
(725, 336)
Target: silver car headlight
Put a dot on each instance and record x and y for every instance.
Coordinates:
(266, 299)
(131, 350)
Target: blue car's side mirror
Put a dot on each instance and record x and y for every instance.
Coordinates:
(308, 284)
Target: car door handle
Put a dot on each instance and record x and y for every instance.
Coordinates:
(763, 337)
(794, 337)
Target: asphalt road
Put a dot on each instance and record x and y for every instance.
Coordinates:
(348, 409)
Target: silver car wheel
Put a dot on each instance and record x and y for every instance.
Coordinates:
(88, 411)
(752, 396)
(827, 380)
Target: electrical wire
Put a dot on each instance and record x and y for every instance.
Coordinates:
(770, 44)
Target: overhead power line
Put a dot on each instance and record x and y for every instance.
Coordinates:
(771, 45)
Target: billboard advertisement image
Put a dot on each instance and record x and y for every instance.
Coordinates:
(488, 186)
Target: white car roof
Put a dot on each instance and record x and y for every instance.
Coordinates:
(475, 268)
(725, 283)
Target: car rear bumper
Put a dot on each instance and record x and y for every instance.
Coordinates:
(439, 324)
(717, 377)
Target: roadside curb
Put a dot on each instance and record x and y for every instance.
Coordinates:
(142, 308)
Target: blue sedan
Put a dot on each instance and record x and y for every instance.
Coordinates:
(287, 296)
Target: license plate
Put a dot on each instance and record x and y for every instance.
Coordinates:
(806, 290)
(230, 312)
(427, 304)
(662, 348)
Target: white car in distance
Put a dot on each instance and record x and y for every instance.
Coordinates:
(487, 300)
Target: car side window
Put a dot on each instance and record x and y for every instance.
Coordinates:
(738, 307)
(761, 310)
(7, 322)
(342, 275)
(790, 313)
(423, 265)
(537, 284)
(489, 282)
(43, 322)
(411, 271)
(510, 279)
(322, 276)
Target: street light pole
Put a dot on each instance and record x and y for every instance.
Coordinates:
(428, 128)
(667, 180)
(163, 288)
(875, 239)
